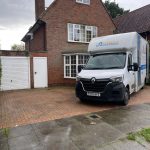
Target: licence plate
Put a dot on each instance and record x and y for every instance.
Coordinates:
(93, 94)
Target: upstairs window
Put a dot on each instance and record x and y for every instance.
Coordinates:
(81, 33)
(87, 2)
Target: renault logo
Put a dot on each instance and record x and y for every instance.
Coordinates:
(93, 80)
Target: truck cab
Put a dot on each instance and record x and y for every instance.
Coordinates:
(114, 70)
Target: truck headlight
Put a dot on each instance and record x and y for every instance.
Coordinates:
(117, 79)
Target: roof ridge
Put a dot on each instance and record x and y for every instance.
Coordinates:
(139, 8)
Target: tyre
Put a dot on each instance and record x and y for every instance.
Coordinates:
(126, 97)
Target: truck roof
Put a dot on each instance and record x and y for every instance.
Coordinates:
(116, 42)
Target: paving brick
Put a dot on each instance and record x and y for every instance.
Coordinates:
(38, 105)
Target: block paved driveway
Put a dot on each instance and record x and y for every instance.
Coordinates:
(38, 105)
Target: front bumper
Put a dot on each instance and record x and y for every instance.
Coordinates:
(114, 91)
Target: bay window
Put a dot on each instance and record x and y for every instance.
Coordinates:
(71, 63)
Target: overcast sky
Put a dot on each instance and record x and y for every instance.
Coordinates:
(16, 16)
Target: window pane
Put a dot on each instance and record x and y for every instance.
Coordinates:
(67, 60)
(76, 35)
(70, 27)
(73, 59)
(82, 33)
(67, 71)
(94, 32)
(83, 1)
(86, 1)
(73, 70)
(70, 32)
(71, 36)
(86, 58)
(89, 28)
(79, 1)
(80, 59)
(88, 36)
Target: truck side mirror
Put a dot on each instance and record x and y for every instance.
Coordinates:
(135, 66)
(80, 68)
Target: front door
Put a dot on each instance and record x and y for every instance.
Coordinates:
(40, 72)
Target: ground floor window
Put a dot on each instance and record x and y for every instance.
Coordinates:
(71, 63)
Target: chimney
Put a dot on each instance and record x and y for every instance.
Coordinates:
(39, 8)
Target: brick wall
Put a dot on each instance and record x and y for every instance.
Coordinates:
(58, 15)
(13, 53)
(38, 43)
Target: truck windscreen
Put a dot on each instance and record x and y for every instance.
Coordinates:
(106, 61)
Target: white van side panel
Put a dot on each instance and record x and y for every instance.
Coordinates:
(141, 59)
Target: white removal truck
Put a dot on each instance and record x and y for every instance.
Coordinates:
(117, 67)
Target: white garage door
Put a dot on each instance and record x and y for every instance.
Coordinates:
(15, 73)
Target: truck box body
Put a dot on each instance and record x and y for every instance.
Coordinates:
(107, 52)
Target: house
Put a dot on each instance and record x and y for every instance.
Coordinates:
(62, 33)
(137, 20)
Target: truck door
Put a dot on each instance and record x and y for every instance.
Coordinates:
(131, 75)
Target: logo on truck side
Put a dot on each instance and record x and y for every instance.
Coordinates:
(109, 43)
(93, 80)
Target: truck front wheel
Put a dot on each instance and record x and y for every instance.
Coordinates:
(126, 97)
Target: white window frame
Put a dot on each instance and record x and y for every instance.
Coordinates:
(77, 63)
(83, 2)
(86, 29)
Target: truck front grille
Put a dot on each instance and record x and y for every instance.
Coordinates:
(98, 86)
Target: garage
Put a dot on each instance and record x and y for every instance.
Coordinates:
(15, 73)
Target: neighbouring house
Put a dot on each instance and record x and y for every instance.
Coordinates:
(62, 33)
(137, 20)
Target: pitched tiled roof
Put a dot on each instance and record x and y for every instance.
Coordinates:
(137, 20)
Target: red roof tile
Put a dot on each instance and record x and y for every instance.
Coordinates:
(137, 20)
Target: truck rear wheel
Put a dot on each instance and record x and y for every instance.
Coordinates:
(126, 97)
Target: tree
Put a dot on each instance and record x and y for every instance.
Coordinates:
(114, 9)
(18, 47)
